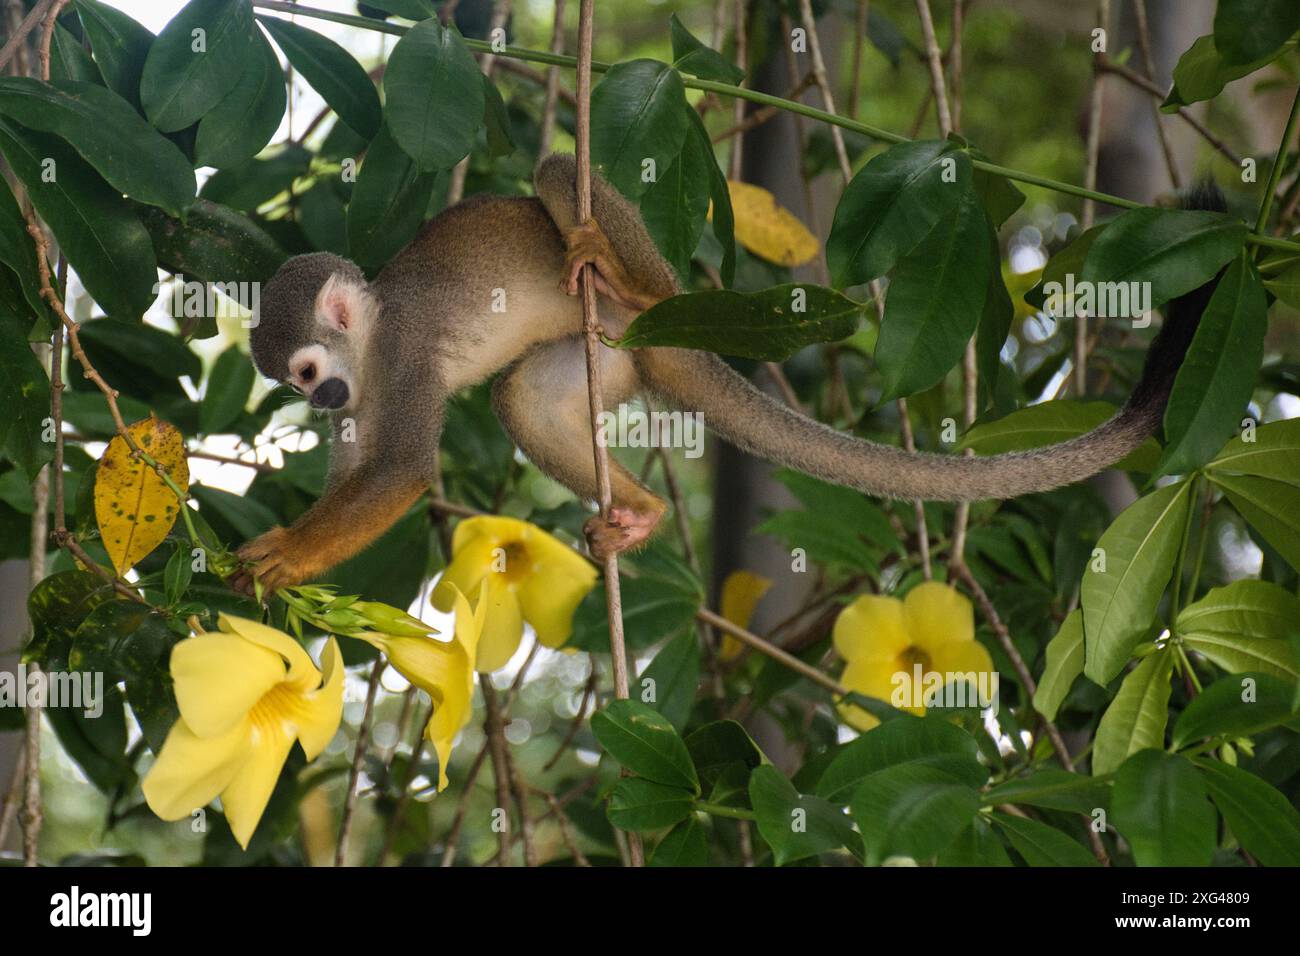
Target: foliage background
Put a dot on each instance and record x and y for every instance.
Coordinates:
(1024, 101)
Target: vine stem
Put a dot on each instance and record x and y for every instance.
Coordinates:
(721, 810)
(763, 99)
(358, 758)
(613, 594)
(1266, 206)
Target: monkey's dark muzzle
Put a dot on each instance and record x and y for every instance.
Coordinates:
(331, 393)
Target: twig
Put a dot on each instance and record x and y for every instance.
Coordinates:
(963, 573)
(19, 37)
(1090, 207)
(552, 82)
(358, 758)
(13, 797)
(566, 830)
(613, 596)
(496, 748)
(772, 651)
(588, 694)
(823, 84)
(1148, 66)
(736, 160)
(935, 61)
(761, 116)
(859, 44)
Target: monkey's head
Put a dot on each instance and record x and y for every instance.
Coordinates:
(312, 325)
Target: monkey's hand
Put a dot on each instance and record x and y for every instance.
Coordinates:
(587, 244)
(274, 559)
(625, 528)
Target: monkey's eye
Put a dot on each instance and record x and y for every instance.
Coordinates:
(307, 373)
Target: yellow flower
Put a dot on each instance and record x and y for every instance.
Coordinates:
(442, 669)
(530, 577)
(245, 693)
(885, 639)
(740, 593)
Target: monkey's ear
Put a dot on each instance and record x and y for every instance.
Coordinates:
(344, 303)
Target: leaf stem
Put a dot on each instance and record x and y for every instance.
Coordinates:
(1266, 205)
(719, 810)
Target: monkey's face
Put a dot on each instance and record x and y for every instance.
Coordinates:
(314, 322)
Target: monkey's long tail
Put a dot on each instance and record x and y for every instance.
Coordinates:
(763, 426)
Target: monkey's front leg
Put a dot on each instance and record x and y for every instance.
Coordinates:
(346, 519)
(587, 244)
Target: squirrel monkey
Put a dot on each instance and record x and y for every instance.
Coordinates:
(476, 292)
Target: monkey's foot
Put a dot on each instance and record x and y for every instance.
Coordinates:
(622, 530)
(270, 560)
(587, 244)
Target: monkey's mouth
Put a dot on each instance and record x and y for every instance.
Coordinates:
(330, 394)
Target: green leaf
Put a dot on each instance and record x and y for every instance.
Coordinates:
(643, 741)
(243, 123)
(108, 134)
(388, 202)
(685, 845)
(771, 324)
(227, 391)
(139, 359)
(17, 250)
(692, 56)
(1174, 250)
(720, 745)
(496, 119)
(102, 238)
(795, 825)
(177, 574)
(1123, 585)
(926, 741)
(335, 74)
(1217, 377)
(653, 609)
(1161, 807)
(1244, 626)
(434, 93)
(935, 301)
(1049, 423)
(638, 113)
(1286, 285)
(1239, 705)
(1247, 30)
(214, 244)
(56, 607)
(1042, 845)
(1136, 718)
(1202, 72)
(824, 537)
(675, 206)
(1269, 451)
(247, 186)
(122, 640)
(855, 510)
(410, 9)
(120, 45)
(97, 744)
(994, 327)
(69, 60)
(179, 83)
(724, 222)
(1064, 664)
(1264, 822)
(977, 845)
(675, 671)
(25, 398)
(1053, 789)
(638, 804)
(1271, 507)
(893, 203)
(911, 810)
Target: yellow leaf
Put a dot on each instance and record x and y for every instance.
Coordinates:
(134, 508)
(740, 593)
(769, 230)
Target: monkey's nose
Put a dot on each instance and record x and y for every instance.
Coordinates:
(331, 393)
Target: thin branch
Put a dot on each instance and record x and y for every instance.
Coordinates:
(19, 37)
(552, 82)
(494, 729)
(772, 651)
(566, 829)
(737, 157)
(823, 84)
(358, 758)
(1149, 67)
(1090, 182)
(591, 336)
(859, 45)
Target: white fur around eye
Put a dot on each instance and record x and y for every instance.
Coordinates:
(310, 355)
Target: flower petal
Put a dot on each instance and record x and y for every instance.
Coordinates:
(244, 799)
(471, 562)
(938, 615)
(872, 626)
(190, 770)
(871, 677)
(218, 678)
(741, 593)
(319, 712)
(503, 626)
(550, 595)
(302, 671)
(962, 657)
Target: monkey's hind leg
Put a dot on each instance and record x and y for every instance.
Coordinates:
(542, 402)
